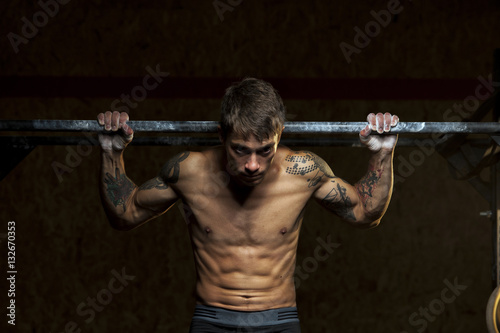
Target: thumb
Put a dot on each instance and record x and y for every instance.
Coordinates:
(128, 133)
(372, 142)
(365, 132)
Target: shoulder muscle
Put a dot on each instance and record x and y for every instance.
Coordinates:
(306, 162)
(309, 166)
(182, 165)
(170, 172)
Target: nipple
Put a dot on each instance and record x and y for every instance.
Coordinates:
(208, 230)
(283, 231)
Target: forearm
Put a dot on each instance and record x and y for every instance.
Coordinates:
(375, 188)
(116, 189)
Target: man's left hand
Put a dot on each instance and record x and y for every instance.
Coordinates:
(379, 123)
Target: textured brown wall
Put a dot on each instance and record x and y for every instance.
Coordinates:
(373, 282)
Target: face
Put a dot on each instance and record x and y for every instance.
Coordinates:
(249, 160)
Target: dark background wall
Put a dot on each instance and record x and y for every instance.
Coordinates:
(381, 280)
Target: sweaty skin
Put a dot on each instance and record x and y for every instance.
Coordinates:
(244, 203)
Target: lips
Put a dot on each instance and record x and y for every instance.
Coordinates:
(253, 177)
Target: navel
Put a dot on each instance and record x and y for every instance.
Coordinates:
(283, 231)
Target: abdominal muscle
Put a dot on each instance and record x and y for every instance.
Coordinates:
(236, 273)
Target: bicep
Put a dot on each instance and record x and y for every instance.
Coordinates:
(157, 195)
(330, 191)
(341, 198)
(153, 198)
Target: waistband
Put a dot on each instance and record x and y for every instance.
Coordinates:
(246, 318)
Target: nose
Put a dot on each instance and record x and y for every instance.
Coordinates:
(252, 164)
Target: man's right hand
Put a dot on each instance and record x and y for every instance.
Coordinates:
(117, 134)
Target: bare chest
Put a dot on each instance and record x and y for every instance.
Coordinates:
(266, 215)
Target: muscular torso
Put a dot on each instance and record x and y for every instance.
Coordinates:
(244, 241)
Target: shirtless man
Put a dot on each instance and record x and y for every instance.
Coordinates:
(244, 203)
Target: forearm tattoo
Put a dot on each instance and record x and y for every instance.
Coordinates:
(171, 169)
(118, 188)
(338, 201)
(368, 184)
(155, 183)
(303, 166)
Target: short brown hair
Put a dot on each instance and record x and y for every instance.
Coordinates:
(252, 107)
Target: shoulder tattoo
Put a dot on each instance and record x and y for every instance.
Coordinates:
(171, 169)
(308, 163)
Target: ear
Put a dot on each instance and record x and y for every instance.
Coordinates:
(280, 133)
(221, 136)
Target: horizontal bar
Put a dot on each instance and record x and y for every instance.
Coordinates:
(28, 142)
(211, 126)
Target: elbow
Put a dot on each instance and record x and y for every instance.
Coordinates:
(370, 218)
(368, 221)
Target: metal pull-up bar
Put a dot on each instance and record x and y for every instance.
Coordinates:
(45, 125)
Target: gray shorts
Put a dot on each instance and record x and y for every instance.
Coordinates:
(214, 319)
